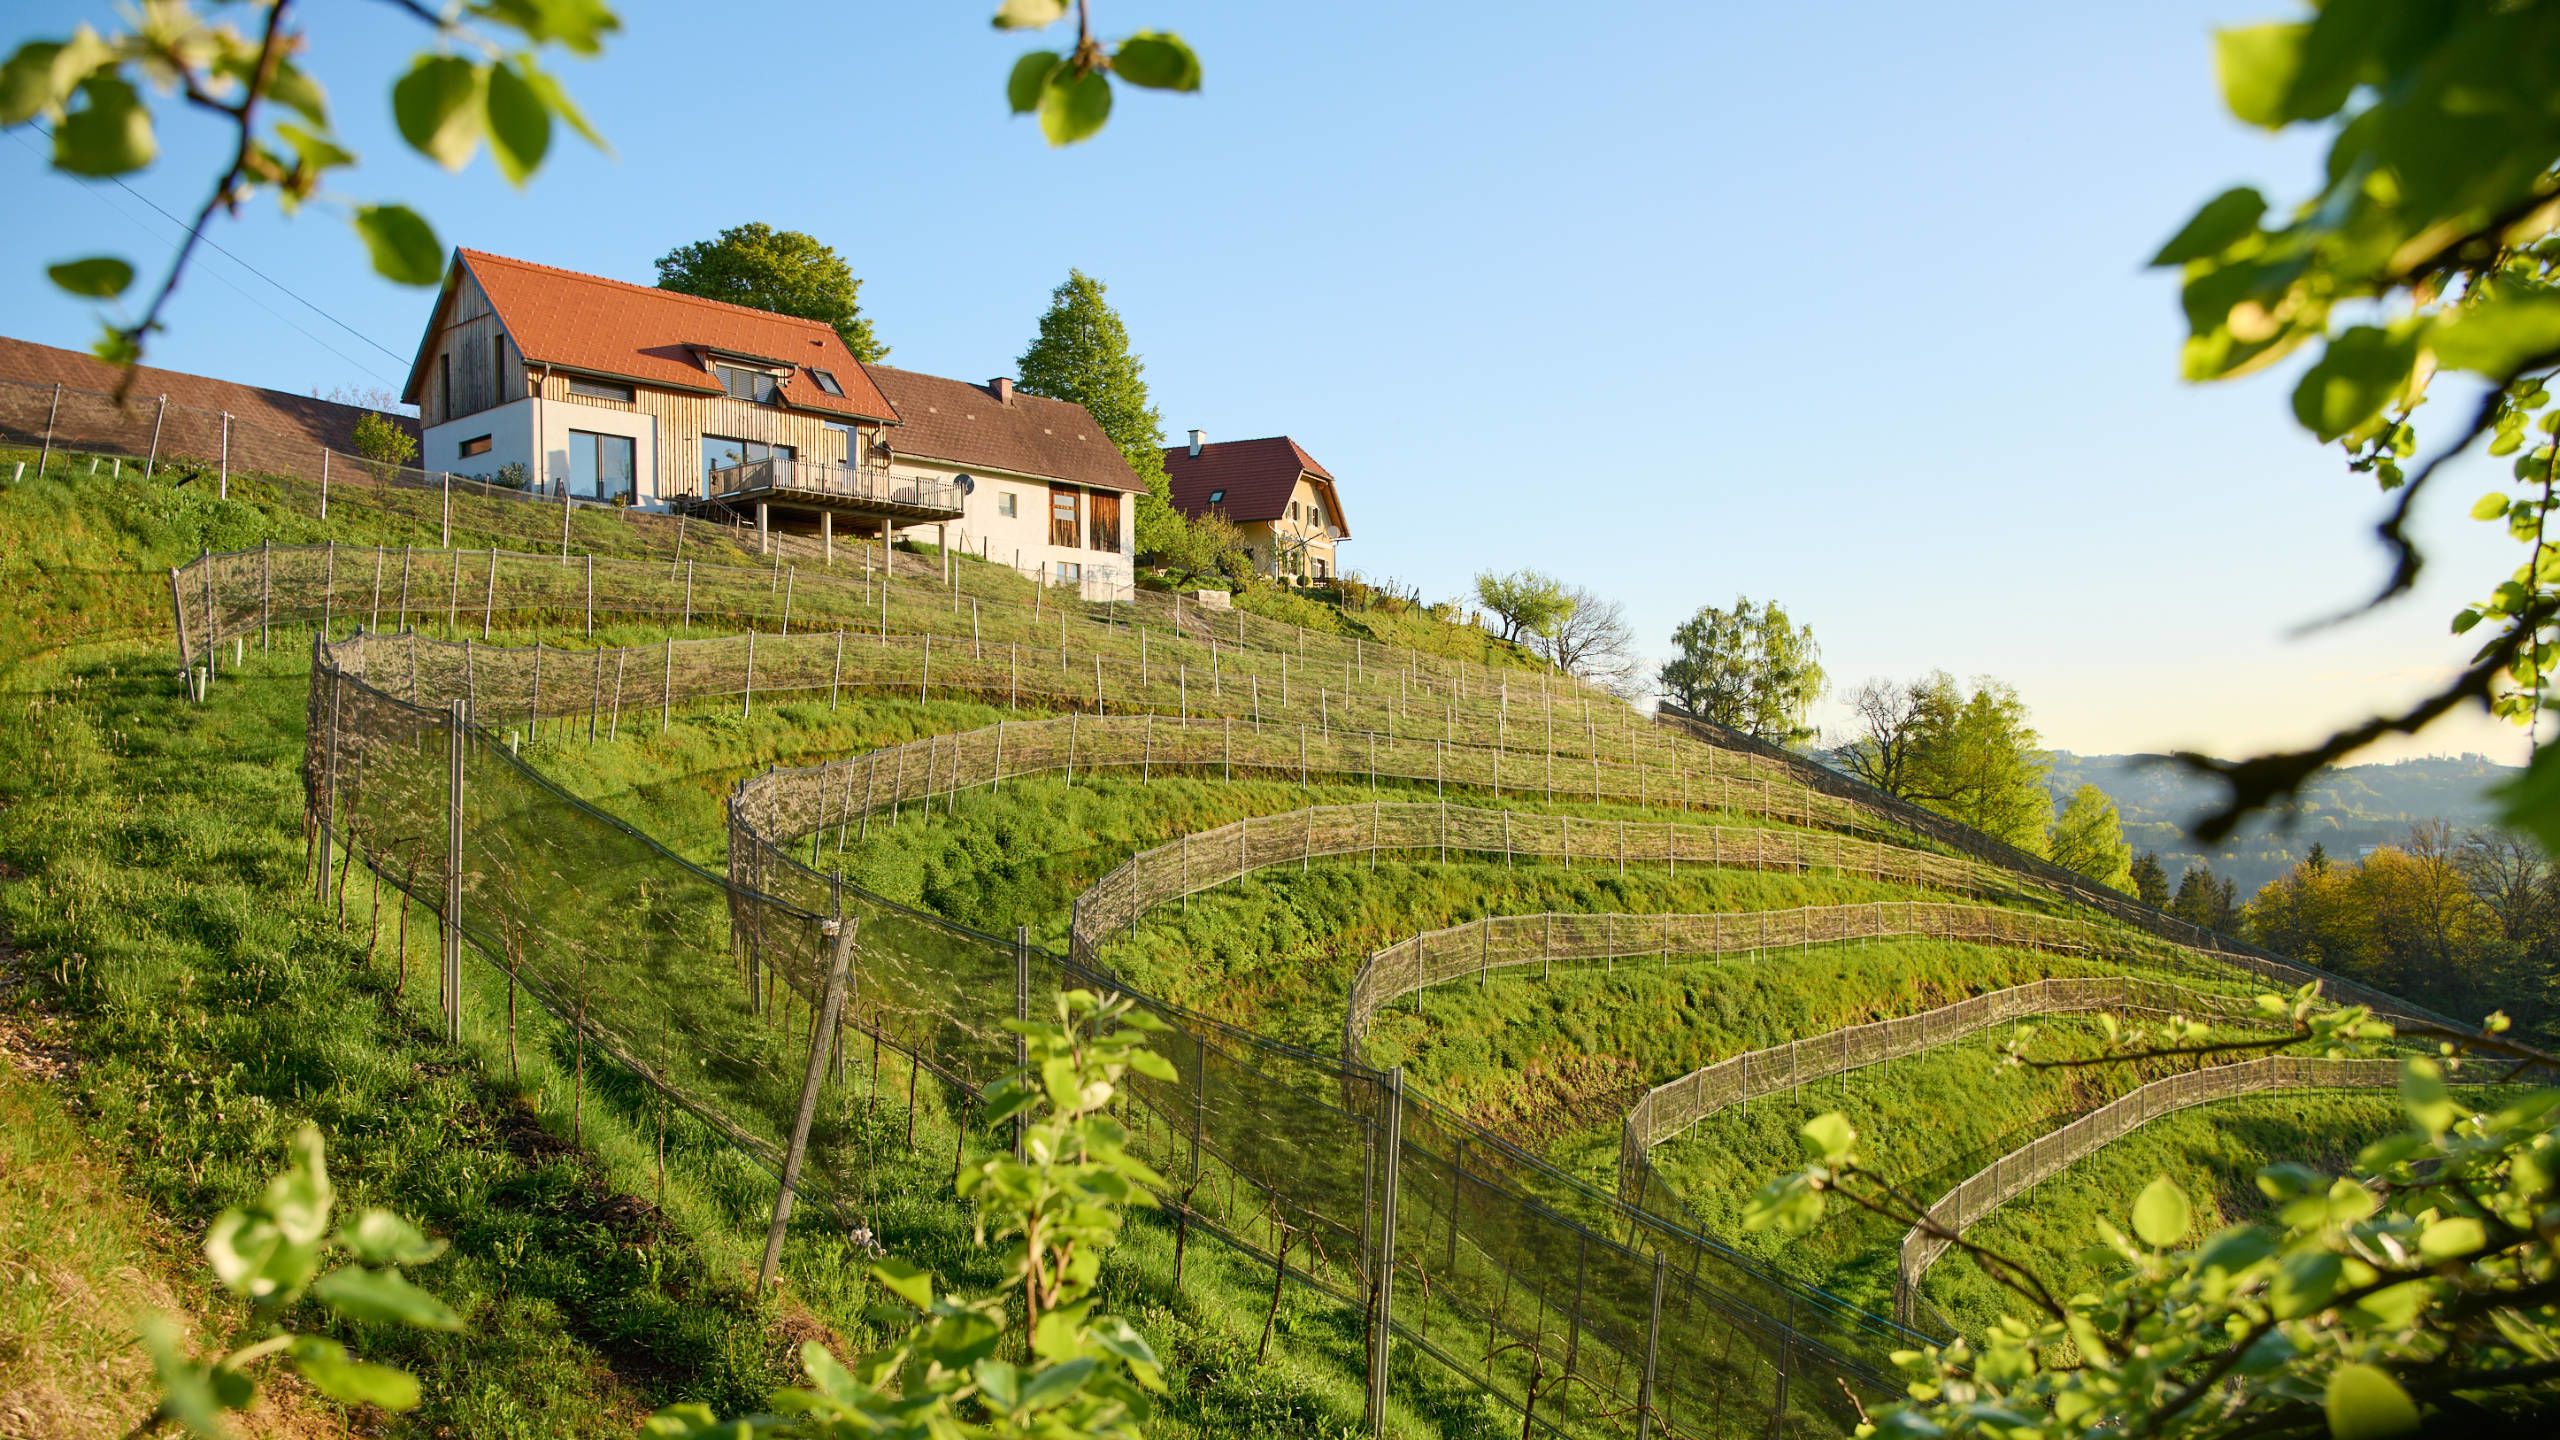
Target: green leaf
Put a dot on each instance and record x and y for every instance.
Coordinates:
(2256, 66)
(2225, 218)
(1029, 14)
(341, 1377)
(2489, 507)
(404, 247)
(1072, 106)
(2510, 328)
(110, 134)
(2452, 1237)
(27, 84)
(186, 1390)
(253, 1258)
(1828, 1136)
(439, 109)
(1157, 60)
(2357, 375)
(2423, 1093)
(1789, 1205)
(381, 1238)
(556, 96)
(383, 1297)
(519, 124)
(578, 26)
(2160, 1214)
(290, 87)
(2363, 1403)
(1022, 88)
(299, 1198)
(2304, 1283)
(905, 1281)
(100, 277)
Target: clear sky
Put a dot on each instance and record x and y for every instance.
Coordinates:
(1836, 303)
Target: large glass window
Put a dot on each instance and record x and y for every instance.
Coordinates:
(720, 452)
(1104, 532)
(1062, 517)
(843, 434)
(603, 467)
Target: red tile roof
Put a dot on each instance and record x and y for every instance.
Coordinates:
(965, 424)
(1256, 476)
(270, 429)
(638, 332)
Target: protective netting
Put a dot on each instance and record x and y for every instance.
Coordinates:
(2050, 1153)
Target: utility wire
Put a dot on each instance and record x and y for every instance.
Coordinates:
(252, 269)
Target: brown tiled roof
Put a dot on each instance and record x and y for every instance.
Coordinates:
(270, 429)
(657, 337)
(1257, 477)
(963, 423)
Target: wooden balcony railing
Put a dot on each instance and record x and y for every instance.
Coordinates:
(866, 484)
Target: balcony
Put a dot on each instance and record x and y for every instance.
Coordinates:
(863, 489)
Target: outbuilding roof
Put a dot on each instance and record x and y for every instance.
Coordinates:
(1252, 479)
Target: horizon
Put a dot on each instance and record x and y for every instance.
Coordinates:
(1469, 285)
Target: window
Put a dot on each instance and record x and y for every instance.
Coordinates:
(745, 384)
(826, 381)
(599, 389)
(1006, 505)
(476, 445)
(1293, 512)
(1104, 532)
(721, 452)
(1062, 517)
(1315, 516)
(1217, 496)
(1069, 572)
(444, 364)
(497, 369)
(602, 467)
(845, 455)
(1321, 572)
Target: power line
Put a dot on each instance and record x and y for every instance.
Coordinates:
(254, 270)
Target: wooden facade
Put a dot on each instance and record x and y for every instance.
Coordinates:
(684, 416)
(471, 363)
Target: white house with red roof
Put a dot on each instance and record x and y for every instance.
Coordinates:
(605, 392)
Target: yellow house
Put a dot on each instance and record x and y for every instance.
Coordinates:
(1277, 495)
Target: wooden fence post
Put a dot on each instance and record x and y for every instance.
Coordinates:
(449, 979)
(840, 931)
(1383, 1265)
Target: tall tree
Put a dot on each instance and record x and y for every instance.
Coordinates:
(2089, 837)
(784, 271)
(1592, 641)
(2150, 880)
(1976, 758)
(1892, 715)
(1749, 668)
(1082, 354)
(1525, 601)
(2206, 899)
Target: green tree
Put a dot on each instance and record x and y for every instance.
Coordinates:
(1526, 602)
(384, 443)
(2089, 837)
(100, 94)
(1055, 1211)
(1082, 354)
(784, 271)
(2206, 899)
(1203, 545)
(2150, 880)
(1749, 668)
(1976, 758)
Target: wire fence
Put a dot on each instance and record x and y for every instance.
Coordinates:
(1938, 829)
(1668, 1109)
(2049, 1154)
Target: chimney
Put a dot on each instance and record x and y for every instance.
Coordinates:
(1198, 438)
(1003, 386)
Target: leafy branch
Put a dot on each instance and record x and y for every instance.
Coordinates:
(1070, 90)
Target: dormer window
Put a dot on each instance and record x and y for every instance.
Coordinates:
(744, 384)
(1217, 496)
(826, 381)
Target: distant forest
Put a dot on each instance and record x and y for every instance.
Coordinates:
(2344, 811)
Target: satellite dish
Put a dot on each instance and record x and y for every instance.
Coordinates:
(967, 486)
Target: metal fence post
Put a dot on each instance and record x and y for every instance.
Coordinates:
(153, 459)
(840, 932)
(449, 981)
(328, 784)
(178, 613)
(448, 509)
(45, 455)
(1021, 1012)
(223, 480)
(1652, 1348)
(324, 482)
(1382, 1319)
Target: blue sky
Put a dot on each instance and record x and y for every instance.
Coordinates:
(1837, 303)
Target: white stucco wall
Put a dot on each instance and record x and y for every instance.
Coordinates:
(1022, 538)
(512, 440)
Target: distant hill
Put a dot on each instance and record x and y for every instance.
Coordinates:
(2345, 809)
